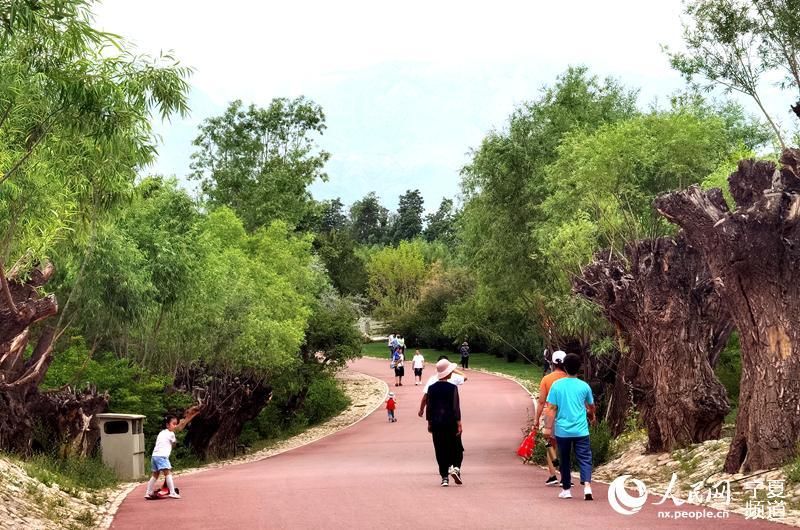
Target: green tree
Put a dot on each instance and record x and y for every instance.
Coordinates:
(260, 161)
(734, 43)
(396, 275)
(346, 268)
(408, 223)
(75, 127)
(505, 185)
(603, 182)
(369, 220)
(333, 216)
(422, 324)
(441, 225)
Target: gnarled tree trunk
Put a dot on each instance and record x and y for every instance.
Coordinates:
(665, 304)
(64, 418)
(228, 401)
(754, 252)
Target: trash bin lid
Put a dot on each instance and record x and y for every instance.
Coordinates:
(115, 416)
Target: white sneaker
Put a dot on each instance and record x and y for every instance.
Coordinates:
(565, 494)
(587, 493)
(174, 496)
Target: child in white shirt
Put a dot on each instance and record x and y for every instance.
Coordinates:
(159, 462)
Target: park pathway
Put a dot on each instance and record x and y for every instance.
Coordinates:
(380, 475)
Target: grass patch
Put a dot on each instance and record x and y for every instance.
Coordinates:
(792, 469)
(72, 474)
(529, 374)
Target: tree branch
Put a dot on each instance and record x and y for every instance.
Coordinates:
(6, 292)
(30, 150)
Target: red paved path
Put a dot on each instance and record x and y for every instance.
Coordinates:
(378, 475)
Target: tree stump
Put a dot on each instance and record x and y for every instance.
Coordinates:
(227, 401)
(754, 253)
(664, 303)
(63, 418)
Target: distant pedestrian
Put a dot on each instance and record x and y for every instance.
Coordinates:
(399, 368)
(165, 441)
(444, 423)
(464, 351)
(417, 363)
(544, 389)
(546, 364)
(391, 406)
(571, 404)
(392, 344)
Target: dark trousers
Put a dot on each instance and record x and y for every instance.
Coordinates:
(583, 453)
(465, 362)
(449, 450)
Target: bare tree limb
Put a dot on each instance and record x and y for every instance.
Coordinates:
(6, 290)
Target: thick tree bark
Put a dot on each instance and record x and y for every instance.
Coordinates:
(29, 417)
(754, 254)
(664, 303)
(228, 401)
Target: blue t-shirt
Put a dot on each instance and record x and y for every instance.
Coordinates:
(570, 395)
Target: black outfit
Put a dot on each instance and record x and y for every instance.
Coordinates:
(443, 414)
(464, 356)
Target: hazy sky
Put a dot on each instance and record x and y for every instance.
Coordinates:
(408, 88)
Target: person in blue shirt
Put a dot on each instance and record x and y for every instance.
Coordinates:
(571, 404)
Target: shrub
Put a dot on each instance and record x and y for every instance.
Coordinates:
(600, 437)
(792, 470)
(325, 399)
(131, 389)
(600, 440)
(539, 450)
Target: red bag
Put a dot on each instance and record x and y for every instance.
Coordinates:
(526, 447)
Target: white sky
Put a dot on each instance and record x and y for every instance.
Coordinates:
(408, 88)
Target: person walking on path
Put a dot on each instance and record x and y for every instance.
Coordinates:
(444, 423)
(399, 368)
(544, 388)
(457, 378)
(391, 405)
(159, 461)
(417, 363)
(546, 364)
(392, 344)
(464, 351)
(571, 405)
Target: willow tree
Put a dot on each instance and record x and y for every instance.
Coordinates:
(752, 252)
(602, 187)
(241, 326)
(74, 130)
(504, 186)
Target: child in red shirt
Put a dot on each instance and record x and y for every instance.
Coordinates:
(391, 405)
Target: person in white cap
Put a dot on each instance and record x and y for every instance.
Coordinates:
(444, 423)
(544, 388)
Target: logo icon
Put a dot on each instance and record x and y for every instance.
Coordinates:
(623, 502)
